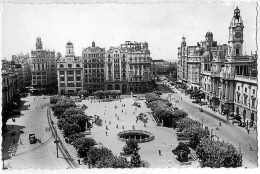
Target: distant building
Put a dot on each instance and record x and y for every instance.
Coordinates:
(94, 68)
(162, 67)
(43, 67)
(70, 72)
(25, 62)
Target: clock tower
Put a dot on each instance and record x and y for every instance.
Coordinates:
(236, 35)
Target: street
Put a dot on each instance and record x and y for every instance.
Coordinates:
(229, 133)
(22, 154)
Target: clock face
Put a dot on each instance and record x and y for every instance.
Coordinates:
(238, 35)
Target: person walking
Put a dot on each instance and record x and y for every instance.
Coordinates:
(21, 141)
(250, 148)
(106, 133)
(248, 131)
(160, 152)
(14, 141)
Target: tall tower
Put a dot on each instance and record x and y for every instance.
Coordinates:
(38, 43)
(69, 49)
(236, 35)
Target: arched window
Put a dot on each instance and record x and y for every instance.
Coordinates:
(78, 66)
(61, 66)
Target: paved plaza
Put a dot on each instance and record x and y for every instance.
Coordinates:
(125, 118)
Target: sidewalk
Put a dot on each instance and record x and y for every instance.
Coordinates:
(217, 114)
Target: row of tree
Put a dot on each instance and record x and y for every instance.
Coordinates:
(72, 121)
(107, 94)
(163, 110)
(212, 153)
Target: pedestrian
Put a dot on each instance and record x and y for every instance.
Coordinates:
(250, 148)
(14, 141)
(133, 127)
(136, 120)
(181, 98)
(106, 127)
(160, 152)
(219, 123)
(144, 124)
(217, 128)
(106, 133)
(117, 126)
(248, 131)
(21, 141)
(79, 161)
(122, 111)
(110, 122)
(123, 127)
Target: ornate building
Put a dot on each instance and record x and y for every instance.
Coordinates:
(129, 67)
(94, 68)
(227, 76)
(70, 72)
(239, 76)
(43, 68)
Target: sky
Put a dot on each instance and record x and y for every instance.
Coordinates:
(162, 25)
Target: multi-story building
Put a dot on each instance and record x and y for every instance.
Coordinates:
(226, 76)
(25, 62)
(212, 61)
(129, 67)
(94, 68)
(140, 66)
(70, 72)
(43, 68)
(239, 76)
(117, 65)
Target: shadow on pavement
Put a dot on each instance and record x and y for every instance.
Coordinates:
(10, 140)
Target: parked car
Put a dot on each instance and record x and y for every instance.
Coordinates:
(32, 138)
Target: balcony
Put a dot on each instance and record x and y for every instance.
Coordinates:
(248, 79)
(227, 76)
(215, 74)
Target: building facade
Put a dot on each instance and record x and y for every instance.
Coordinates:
(227, 77)
(128, 67)
(70, 72)
(94, 68)
(43, 69)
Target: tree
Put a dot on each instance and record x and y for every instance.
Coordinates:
(96, 154)
(182, 151)
(218, 154)
(85, 93)
(135, 159)
(130, 146)
(82, 145)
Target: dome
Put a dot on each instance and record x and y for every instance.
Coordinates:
(209, 34)
(69, 43)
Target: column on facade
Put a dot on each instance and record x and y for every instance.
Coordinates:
(75, 81)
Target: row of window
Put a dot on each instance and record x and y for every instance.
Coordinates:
(94, 60)
(78, 72)
(70, 66)
(93, 66)
(93, 55)
(253, 100)
(238, 87)
(70, 85)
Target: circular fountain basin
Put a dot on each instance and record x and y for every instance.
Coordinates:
(139, 135)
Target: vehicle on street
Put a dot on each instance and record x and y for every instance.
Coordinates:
(32, 138)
